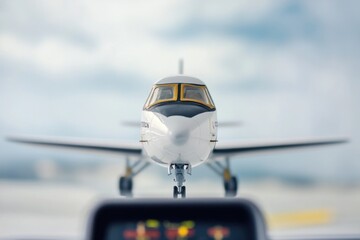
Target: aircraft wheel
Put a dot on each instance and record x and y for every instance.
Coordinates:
(183, 192)
(175, 192)
(231, 187)
(125, 186)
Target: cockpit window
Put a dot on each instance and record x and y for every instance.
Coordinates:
(163, 93)
(189, 93)
(196, 93)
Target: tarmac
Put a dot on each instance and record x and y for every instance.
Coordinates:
(41, 210)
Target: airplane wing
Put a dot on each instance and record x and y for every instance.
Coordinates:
(136, 124)
(98, 146)
(221, 124)
(231, 149)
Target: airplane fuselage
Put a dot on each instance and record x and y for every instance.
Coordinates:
(179, 122)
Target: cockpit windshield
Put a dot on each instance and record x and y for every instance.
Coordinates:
(162, 93)
(195, 93)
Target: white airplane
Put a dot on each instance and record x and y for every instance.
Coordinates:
(178, 131)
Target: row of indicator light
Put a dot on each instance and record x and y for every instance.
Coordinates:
(174, 231)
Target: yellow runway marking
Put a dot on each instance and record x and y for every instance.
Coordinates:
(297, 219)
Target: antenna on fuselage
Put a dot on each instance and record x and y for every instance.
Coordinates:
(181, 66)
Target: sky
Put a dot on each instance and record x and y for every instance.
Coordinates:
(285, 69)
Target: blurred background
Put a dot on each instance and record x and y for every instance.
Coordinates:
(285, 69)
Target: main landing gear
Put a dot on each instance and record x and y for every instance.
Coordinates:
(230, 181)
(179, 190)
(126, 181)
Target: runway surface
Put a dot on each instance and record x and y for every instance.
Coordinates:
(32, 209)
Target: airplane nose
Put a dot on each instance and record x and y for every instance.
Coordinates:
(179, 137)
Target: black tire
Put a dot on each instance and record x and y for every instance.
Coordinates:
(183, 192)
(226, 186)
(234, 184)
(125, 186)
(175, 192)
(231, 187)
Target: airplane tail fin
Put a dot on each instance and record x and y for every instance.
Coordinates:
(181, 66)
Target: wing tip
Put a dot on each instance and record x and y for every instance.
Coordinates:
(16, 138)
(341, 140)
(11, 138)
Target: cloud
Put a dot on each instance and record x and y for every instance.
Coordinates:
(50, 55)
(284, 68)
(278, 22)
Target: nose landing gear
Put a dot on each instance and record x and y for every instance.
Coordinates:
(179, 194)
(179, 190)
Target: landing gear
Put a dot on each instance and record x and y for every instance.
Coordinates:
(125, 186)
(231, 187)
(175, 192)
(229, 180)
(179, 194)
(126, 181)
(183, 192)
(179, 190)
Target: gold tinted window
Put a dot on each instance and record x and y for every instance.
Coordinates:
(162, 93)
(195, 93)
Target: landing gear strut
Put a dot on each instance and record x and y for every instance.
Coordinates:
(126, 181)
(179, 190)
(230, 181)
